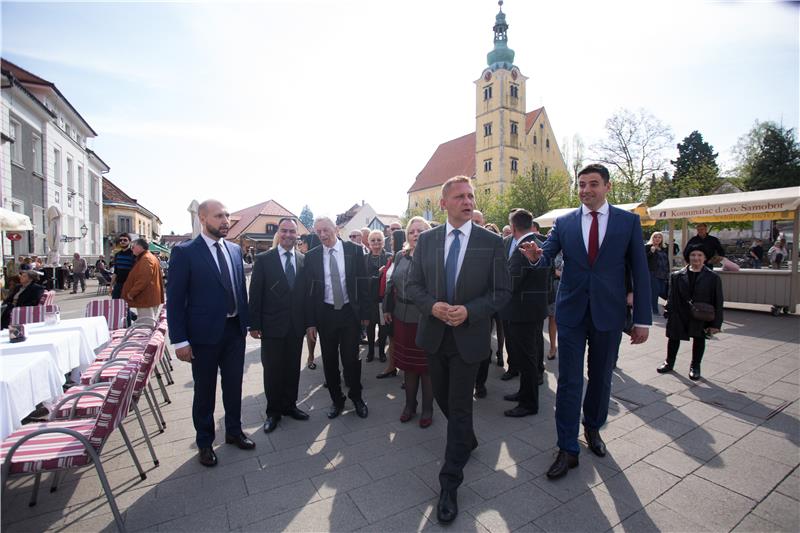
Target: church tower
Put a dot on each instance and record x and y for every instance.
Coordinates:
(500, 121)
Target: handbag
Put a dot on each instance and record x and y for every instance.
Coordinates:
(702, 312)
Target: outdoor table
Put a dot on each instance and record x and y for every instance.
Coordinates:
(64, 347)
(26, 380)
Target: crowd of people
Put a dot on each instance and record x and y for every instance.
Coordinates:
(425, 300)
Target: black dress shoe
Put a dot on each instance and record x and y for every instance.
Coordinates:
(511, 397)
(271, 423)
(335, 410)
(541, 379)
(361, 408)
(296, 413)
(694, 373)
(594, 441)
(520, 411)
(564, 461)
(499, 359)
(241, 441)
(207, 457)
(664, 368)
(509, 374)
(382, 357)
(474, 443)
(480, 391)
(447, 508)
(370, 356)
(389, 374)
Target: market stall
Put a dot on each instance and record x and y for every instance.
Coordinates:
(778, 288)
(547, 219)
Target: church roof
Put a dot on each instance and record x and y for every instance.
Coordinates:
(456, 158)
(245, 217)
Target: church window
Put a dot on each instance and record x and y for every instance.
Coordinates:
(547, 143)
(534, 138)
(514, 128)
(514, 90)
(487, 165)
(487, 92)
(487, 129)
(514, 164)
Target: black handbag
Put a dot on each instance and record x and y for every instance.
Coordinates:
(701, 312)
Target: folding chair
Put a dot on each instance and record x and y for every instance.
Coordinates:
(115, 312)
(48, 298)
(31, 313)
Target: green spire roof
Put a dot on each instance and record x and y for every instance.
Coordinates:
(502, 56)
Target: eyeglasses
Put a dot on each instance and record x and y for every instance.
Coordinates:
(355, 236)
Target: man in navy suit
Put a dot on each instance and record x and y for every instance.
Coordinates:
(208, 318)
(597, 241)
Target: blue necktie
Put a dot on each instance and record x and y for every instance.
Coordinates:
(226, 279)
(451, 266)
(290, 273)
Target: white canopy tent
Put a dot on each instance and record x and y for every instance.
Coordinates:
(11, 221)
(548, 219)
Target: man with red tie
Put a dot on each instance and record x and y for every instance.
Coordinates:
(597, 241)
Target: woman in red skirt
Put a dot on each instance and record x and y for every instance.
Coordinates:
(404, 316)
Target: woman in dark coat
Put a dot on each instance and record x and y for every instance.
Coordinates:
(694, 283)
(658, 264)
(376, 263)
(25, 294)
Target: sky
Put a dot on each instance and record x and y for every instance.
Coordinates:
(330, 103)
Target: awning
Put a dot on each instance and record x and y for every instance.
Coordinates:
(769, 204)
(11, 221)
(548, 219)
(155, 247)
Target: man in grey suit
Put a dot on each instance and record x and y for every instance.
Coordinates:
(459, 279)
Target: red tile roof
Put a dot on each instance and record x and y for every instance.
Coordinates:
(456, 158)
(245, 217)
(112, 193)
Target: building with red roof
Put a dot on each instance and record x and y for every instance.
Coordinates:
(255, 226)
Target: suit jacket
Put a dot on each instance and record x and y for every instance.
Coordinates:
(29, 298)
(196, 309)
(602, 285)
(356, 280)
(483, 287)
(276, 310)
(530, 288)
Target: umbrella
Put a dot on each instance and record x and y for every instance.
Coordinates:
(11, 221)
(53, 235)
(193, 208)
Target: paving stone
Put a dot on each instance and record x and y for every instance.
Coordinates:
(655, 518)
(515, 508)
(755, 524)
(650, 438)
(653, 410)
(402, 522)
(780, 510)
(730, 425)
(429, 472)
(791, 485)
(388, 496)
(332, 514)
(639, 484)
(502, 453)
(694, 413)
(577, 481)
(341, 480)
(743, 472)
(703, 443)
(210, 519)
(500, 481)
(772, 447)
(720, 509)
(674, 461)
(263, 505)
(592, 511)
(403, 460)
(621, 453)
(467, 499)
(286, 473)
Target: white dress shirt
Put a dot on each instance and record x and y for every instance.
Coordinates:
(463, 239)
(515, 243)
(326, 258)
(283, 252)
(602, 224)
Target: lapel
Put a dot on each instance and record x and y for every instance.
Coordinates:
(234, 269)
(612, 217)
(349, 270)
(577, 220)
(469, 258)
(278, 264)
(206, 254)
(439, 234)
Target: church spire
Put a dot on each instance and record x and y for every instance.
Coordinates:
(502, 56)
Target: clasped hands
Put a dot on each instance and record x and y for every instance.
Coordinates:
(452, 315)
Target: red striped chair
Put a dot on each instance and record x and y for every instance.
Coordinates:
(115, 311)
(48, 298)
(31, 313)
(67, 444)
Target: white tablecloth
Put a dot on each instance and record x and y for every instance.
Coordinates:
(65, 347)
(26, 380)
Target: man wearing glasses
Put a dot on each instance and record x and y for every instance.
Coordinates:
(122, 263)
(355, 238)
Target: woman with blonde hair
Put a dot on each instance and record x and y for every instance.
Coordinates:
(658, 264)
(404, 316)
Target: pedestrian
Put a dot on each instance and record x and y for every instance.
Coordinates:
(777, 253)
(658, 265)
(375, 264)
(78, 272)
(121, 263)
(26, 293)
(756, 254)
(404, 316)
(694, 309)
(711, 245)
(398, 244)
(144, 285)
(207, 315)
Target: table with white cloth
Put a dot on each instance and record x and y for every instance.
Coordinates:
(26, 379)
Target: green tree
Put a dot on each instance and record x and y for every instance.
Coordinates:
(768, 157)
(307, 217)
(694, 153)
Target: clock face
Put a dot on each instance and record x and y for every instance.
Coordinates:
(487, 76)
(514, 73)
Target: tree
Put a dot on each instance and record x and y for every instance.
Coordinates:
(307, 217)
(694, 153)
(768, 157)
(633, 149)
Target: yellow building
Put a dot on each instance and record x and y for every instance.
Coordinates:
(507, 141)
(123, 214)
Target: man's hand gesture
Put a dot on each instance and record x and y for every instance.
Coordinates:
(531, 251)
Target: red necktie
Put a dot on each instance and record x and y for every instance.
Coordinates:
(594, 239)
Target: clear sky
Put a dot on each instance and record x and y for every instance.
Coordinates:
(328, 103)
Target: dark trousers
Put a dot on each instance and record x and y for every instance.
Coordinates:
(452, 379)
(339, 333)
(603, 350)
(280, 358)
(698, 349)
(78, 277)
(526, 355)
(228, 357)
(382, 334)
(482, 373)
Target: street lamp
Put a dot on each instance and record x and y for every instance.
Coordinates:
(84, 231)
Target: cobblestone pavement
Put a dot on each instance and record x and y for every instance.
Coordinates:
(717, 455)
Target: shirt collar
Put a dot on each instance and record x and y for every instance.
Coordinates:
(465, 229)
(521, 238)
(209, 241)
(603, 209)
(284, 251)
(338, 247)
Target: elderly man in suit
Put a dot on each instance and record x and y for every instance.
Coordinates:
(524, 316)
(337, 307)
(277, 302)
(458, 280)
(208, 318)
(599, 243)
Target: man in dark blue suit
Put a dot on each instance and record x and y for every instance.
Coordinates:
(597, 241)
(208, 318)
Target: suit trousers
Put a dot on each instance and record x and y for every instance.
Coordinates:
(228, 357)
(603, 350)
(452, 380)
(339, 334)
(280, 358)
(525, 354)
(482, 373)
